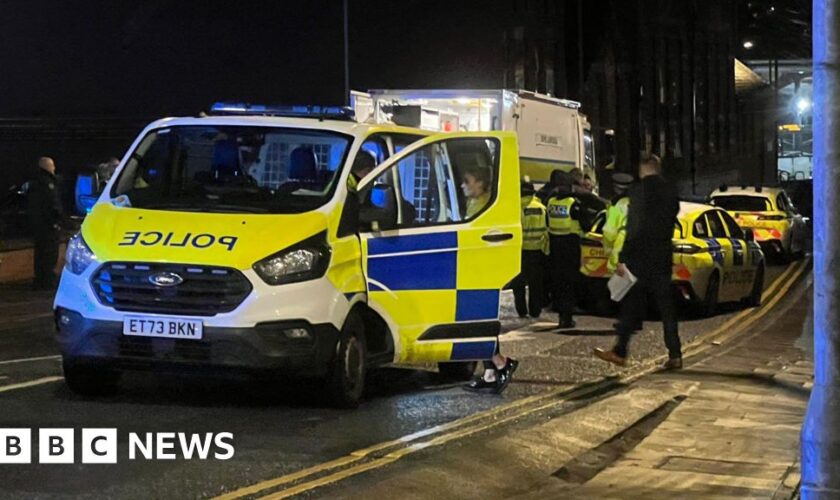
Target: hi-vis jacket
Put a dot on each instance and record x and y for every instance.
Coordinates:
(534, 226)
(615, 230)
(564, 216)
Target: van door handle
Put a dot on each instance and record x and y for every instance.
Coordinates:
(496, 237)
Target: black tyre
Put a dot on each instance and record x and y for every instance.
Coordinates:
(754, 299)
(346, 383)
(90, 381)
(457, 372)
(710, 301)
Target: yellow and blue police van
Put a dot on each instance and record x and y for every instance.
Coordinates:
(714, 260)
(243, 241)
(778, 226)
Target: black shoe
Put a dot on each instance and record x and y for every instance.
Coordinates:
(565, 325)
(673, 364)
(504, 376)
(479, 384)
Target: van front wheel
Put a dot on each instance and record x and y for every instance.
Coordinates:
(346, 382)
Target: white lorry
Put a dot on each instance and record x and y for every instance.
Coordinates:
(553, 133)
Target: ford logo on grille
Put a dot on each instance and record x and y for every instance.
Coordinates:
(165, 279)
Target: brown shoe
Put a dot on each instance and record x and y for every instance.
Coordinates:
(673, 364)
(611, 356)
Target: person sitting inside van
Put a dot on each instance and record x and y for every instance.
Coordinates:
(476, 187)
(363, 164)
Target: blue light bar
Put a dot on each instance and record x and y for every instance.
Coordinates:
(293, 111)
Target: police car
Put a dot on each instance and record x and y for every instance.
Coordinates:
(714, 259)
(777, 224)
(234, 241)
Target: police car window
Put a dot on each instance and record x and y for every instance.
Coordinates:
(699, 228)
(745, 203)
(715, 225)
(781, 203)
(233, 169)
(734, 230)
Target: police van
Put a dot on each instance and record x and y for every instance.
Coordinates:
(239, 241)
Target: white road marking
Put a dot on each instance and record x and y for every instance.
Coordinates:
(31, 383)
(29, 360)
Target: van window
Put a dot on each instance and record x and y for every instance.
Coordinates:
(233, 169)
(445, 182)
(743, 203)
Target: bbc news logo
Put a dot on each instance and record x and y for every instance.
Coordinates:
(100, 446)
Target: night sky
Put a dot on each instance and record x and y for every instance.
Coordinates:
(154, 57)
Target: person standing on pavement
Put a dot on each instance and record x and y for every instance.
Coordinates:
(647, 253)
(44, 213)
(534, 250)
(564, 229)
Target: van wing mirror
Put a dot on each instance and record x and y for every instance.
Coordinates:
(379, 208)
(749, 236)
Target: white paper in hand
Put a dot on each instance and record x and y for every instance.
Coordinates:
(620, 285)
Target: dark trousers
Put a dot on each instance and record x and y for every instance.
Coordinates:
(634, 306)
(565, 273)
(45, 258)
(532, 277)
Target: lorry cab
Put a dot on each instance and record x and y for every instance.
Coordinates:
(235, 242)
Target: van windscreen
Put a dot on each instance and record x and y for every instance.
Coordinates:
(234, 169)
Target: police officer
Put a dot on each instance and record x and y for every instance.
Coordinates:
(564, 229)
(44, 211)
(615, 229)
(363, 164)
(534, 249)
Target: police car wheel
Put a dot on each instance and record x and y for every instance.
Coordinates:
(346, 383)
(89, 380)
(457, 372)
(710, 301)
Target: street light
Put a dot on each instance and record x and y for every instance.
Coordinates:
(749, 44)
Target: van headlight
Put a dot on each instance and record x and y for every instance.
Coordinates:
(304, 261)
(78, 256)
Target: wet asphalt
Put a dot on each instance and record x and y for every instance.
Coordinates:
(276, 430)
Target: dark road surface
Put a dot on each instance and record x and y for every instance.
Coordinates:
(276, 430)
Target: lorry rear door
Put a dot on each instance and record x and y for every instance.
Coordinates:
(435, 272)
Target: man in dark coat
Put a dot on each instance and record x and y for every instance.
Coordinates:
(647, 254)
(44, 212)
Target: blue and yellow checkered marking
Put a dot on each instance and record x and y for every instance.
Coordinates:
(473, 350)
(413, 243)
(715, 251)
(429, 262)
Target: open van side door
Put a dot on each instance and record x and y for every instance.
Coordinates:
(445, 237)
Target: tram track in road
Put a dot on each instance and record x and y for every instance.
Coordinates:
(552, 402)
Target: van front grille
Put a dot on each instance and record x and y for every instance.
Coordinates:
(170, 288)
